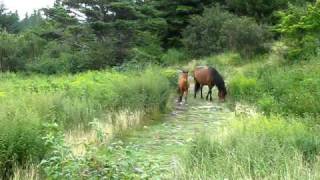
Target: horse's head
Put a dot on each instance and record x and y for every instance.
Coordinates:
(222, 94)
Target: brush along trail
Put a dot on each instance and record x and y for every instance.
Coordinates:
(153, 151)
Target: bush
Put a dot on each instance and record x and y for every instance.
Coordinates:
(243, 87)
(267, 104)
(172, 76)
(218, 30)
(244, 35)
(299, 27)
(258, 148)
(203, 36)
(173, 56)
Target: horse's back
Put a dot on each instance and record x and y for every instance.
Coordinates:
(203, 75)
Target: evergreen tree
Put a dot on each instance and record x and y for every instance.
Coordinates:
(178, 14)
(8, 21)
(34, 20)
(121, 22)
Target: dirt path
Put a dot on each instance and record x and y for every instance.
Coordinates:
(154, 150)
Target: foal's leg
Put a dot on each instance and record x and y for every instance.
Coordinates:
(186, 95)
(180, 97)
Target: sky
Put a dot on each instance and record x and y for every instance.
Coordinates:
(24, 6)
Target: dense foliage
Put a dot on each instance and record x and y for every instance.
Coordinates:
(74, 38)
(218, 30)
(300, 27)
(69, 101)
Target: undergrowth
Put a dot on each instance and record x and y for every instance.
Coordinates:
(71, 101)
(255, 148)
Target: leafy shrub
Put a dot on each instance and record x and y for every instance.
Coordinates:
(244, 35)
(171, 75)
(267, 104)
(300, 26)
(241, 86)
(203, 36)
(217, 30)
(173, 56)
(256, 148)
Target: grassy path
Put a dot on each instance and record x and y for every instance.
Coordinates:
(154, 150)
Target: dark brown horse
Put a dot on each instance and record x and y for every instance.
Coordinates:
(209, 76)
(183, 85)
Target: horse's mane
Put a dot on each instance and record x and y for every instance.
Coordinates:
(218, 80)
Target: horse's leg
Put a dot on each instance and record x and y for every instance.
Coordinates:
(196, 88)
(210, 91)
(201, 88)
(207, 97)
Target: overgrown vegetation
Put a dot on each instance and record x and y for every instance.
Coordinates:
(300, 27)
(218, 30)
(268, 51)
(283, 142)
(255, 148)
(70, 101)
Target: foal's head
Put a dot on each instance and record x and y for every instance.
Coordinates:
(185, 74)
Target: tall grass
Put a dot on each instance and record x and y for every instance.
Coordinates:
(257, 148)
(282, 145)
(287, 90)
(27, 103)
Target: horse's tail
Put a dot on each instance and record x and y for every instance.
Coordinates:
(196, 87)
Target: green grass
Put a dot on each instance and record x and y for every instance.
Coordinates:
(255, 148)
(281, 145)
(287, 90)
(27, 103)
(146, 152)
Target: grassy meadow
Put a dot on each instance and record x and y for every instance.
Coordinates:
(30, 105)
(88, 90)
(275, 134)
